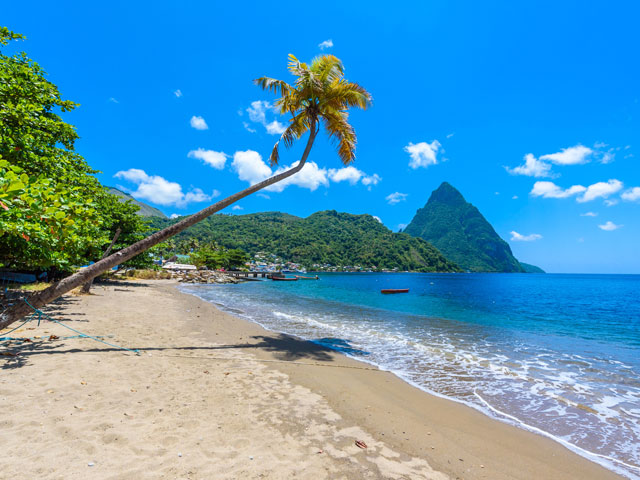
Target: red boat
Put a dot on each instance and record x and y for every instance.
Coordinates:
(285, 279)
(394, 290)
(300, 277)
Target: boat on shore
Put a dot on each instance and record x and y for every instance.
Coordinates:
(284, 279)
(394, 290)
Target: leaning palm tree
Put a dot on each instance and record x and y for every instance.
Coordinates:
(319, 95)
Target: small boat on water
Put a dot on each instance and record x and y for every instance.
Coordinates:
(300, 277)
(394, 290)
(285, 279)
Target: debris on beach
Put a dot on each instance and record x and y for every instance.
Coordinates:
(361, 444)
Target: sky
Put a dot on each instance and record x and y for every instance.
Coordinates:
(530, 109)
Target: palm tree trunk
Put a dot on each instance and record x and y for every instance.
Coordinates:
(38, 299)
(86, 288)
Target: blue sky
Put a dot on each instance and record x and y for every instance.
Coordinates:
(463, 93)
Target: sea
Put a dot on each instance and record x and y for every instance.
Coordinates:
(555, 354)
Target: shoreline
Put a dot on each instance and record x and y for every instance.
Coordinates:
(506, 419)
(410, 433)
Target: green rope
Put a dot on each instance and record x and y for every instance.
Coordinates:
(84, 335)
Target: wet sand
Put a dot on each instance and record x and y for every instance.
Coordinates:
(214, 396)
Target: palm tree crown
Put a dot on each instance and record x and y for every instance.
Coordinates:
(320, 93)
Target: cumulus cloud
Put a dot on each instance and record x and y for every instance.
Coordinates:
(251, 168)
(611, 202)
(258, 114)
(516, 237)
(583, 194)
(326, 44)
(248, 127)
(377, 218)
(532, 168)
(423, 154)
(402, 226)
(174, 215)
(198, 123)
(178, 93)
(210, 157)
(237, 207)
(158, 190)
(569, 156)
(609, 226)
(396, 197)
(589, 214)
(515, 197)
(275, 128)
(263, 195)
(631, 195)
(353, 176)
(551, 190)
(601, 189)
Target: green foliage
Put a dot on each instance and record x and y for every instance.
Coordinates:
(54, 213)
(328, 237)
(531, 268)
(214, 257)
(461, 233)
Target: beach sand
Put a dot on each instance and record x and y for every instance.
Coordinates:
(213, 396)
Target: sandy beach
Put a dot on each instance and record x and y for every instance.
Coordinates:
(214, 396)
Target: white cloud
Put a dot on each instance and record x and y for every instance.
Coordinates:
(611, 202)
(371, 179)
(402, 226)
(601, 189)
(311, 177)
(263, 195)
(569, 156)
(248, 128)
(377, 218)
(450, 135)
(515, 197)
(532, 168)
(597, 190)
(113, 100)
(174, 215)
(275, 128)
(516, 237)
(178, 93)
(396, 197)
(609, 226)
(349, 174)
(422, 154)
(326, 44)
(551, 190)
(215, 193)
(158, 190)
(210, 157)
(589, 214)
(237, 207)
(258, 114)
(251, 168)
(198, 123)
(631, 195)
(353, 176)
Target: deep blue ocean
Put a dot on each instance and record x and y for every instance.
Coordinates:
(555, 354)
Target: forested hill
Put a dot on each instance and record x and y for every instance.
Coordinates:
(144, 211)
(327, 237)
(461, 233)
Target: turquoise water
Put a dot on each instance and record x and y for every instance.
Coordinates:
(555, 354)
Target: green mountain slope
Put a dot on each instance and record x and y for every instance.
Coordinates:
(528, 268)
(461, 233)
(145, 210)
(327, 237)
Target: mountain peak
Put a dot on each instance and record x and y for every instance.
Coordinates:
(447, 193)
(461, 233)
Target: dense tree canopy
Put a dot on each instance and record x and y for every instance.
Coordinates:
(328, 237)
(54, 213)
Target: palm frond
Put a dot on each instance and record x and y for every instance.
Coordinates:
(274, 85)
(341, 132)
